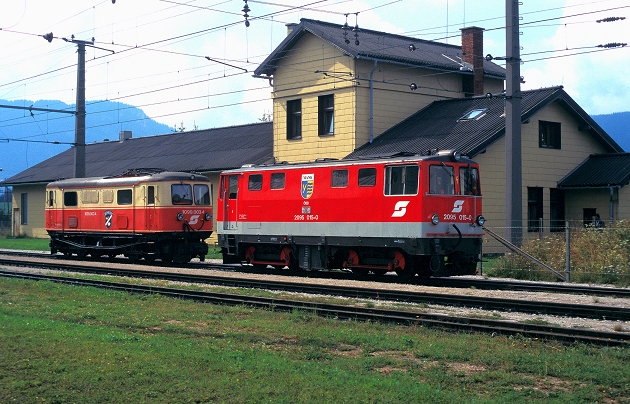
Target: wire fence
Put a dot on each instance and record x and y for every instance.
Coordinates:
(595, 254)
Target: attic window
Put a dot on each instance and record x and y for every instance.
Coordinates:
(473, 115)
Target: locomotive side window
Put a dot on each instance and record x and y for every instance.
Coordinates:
(401, 180)
(202, 194)
(339, 179)
(441, 180)
(51, 199)
(469, 181)
(367, 177)
(255, 182)
(123, 197)
(277, 181)
(181, 194)
(70, 198)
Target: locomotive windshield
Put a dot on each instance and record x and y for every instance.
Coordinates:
(181, 194)
(202, 195)
(469, 181)
(441, 180)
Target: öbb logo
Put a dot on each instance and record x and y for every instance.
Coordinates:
(458, 206)
(400, 209)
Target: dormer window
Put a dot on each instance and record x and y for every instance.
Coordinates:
(473, 115)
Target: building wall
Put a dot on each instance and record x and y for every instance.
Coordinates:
(35, 215)
(541, 167)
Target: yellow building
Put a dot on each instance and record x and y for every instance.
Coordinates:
(334, 91)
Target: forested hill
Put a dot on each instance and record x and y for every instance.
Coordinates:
(26, 139)
(617, 125)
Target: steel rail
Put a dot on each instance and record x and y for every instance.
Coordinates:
(485, 303)
(570, 335)
(453, 282)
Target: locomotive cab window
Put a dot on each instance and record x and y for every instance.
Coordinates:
(70, 198)
(469, 181)
(124, 197)
(202, 195)
(255, 182)
(277, 181)
(181, 194)
(441, 180)
(401, 180)
(367, 177)
(339, 179)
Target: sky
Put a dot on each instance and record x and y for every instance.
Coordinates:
(153, 53)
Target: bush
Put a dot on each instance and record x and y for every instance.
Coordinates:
(597, 256)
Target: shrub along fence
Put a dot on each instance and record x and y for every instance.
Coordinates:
(595, 255)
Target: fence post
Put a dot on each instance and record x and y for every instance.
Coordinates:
(540, 229)
(567, 265)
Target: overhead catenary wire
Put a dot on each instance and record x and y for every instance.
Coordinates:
(197, 55)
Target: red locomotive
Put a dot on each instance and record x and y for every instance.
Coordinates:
(141, 214)
(408, 214)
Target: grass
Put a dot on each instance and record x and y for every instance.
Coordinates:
(24, 243)
(76, 344)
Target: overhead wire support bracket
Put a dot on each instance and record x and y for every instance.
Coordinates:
(31, 109)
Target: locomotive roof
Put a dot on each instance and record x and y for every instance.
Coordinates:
(444, 156)
(129, 180)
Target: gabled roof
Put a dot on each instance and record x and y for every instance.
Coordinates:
(438, 126)
(377, 45)
(599, 171)
(199, 151)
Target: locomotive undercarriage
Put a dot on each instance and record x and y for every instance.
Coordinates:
(166, 247)
(363, 256)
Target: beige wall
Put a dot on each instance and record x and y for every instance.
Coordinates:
(542, 167)
(35, 215)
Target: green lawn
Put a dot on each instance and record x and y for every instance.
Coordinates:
(24, 243)
(75, 344)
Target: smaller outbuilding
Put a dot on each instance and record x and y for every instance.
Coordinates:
(599, 181)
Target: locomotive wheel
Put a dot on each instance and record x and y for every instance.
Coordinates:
(404, 267)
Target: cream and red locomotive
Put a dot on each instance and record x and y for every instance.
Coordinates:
(408, 214)
(150, 215)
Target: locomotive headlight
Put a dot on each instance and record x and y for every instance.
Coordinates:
(180, 216)
(435, 219)
(481, 220)
(207, 216)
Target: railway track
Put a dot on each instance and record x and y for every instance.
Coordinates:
(483, 284)
(484, 303)
(357, 313)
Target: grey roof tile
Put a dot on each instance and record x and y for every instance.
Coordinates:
(377, 45)
(437, 126)
(201, 151)
(599, 171)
